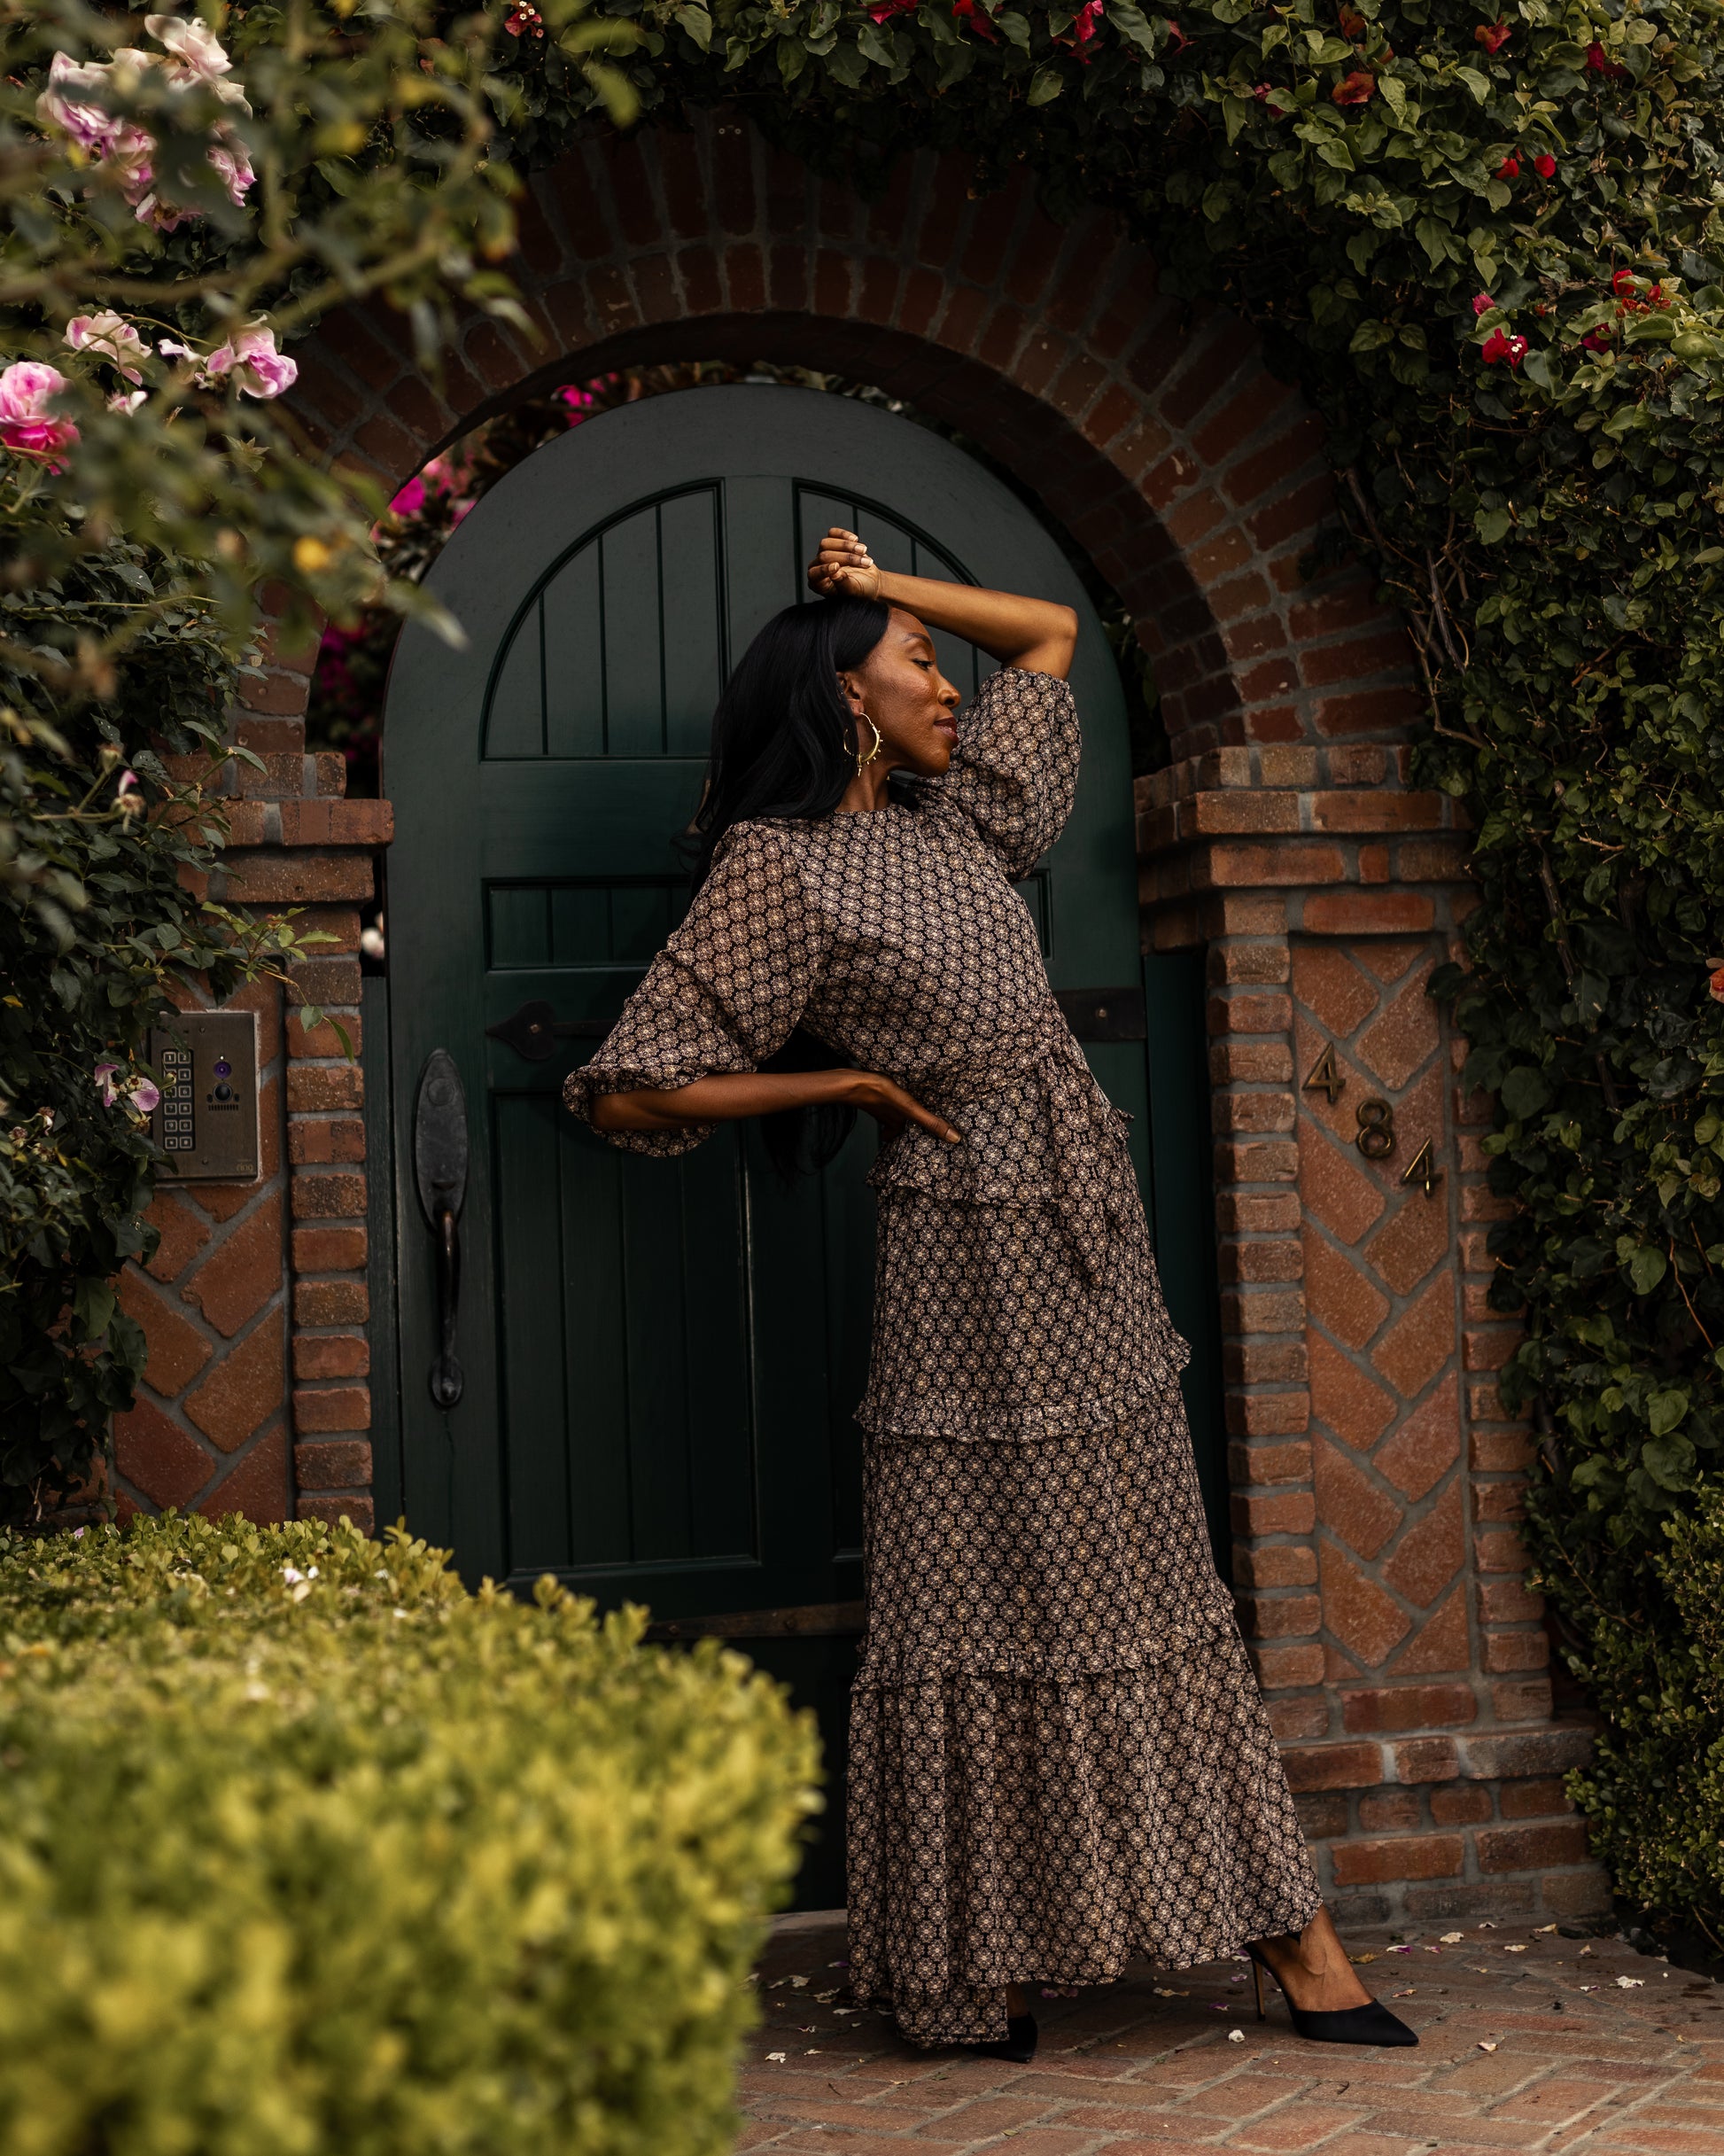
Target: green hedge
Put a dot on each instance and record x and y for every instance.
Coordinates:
(303, 1848)
(1654, 1796)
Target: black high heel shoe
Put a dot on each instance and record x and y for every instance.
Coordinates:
(1020, 2037)
(1371, 2023)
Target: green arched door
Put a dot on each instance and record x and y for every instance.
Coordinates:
(660, 1359)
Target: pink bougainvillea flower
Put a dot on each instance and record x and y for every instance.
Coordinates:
(1482, 304)
(1715, 986)
(883, 11)
(250, 357)
(1600, 63)
(1177, 38)
(523, 21)
(1657, 296)
(1492, 36)
(977, 17)
(1498, 347)
(411, 499)
(1353, 24)
(1510, 168)
(26, 426)
(1545, 167)
(1596, 340)
(1359, 87)
(109, 335)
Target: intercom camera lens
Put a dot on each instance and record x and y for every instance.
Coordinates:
(223, 1068)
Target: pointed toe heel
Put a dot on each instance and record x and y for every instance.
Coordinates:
(1371, 2023)
(1021, 2036)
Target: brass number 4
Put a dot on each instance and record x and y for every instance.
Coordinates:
(1422, 1168)
(1325, 1077)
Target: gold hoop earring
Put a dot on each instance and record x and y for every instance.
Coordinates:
(862, 762)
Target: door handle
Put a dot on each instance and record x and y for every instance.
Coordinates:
(440, 1169)
(533, 1030)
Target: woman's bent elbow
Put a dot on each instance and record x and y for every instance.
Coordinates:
(605, 1114)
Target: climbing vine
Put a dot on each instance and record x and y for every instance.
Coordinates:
(1485, 239)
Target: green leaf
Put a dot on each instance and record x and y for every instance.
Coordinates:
(1523, 1090)
(1478, 84)
(93, 1304)
(1131, 23)
(1647, 1267)
(1665, 1410)
(1493, 525)
(697, 22)
(1044, 85)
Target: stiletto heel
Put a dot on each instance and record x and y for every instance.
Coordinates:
(1257, 1979)
(1371, 2023)
(1021, 2036)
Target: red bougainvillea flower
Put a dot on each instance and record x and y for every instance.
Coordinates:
(1599, 62)
(883, 11)
(1715, 986)
(1359, 87)
(1545, 167)
(1657, 297)
(1492, 36)
(1510, 168)
(1596, 340)
(1622, 283)
(1497, 347)
(1482, 304)
(978, 19)
(1353, 24)
(523, 21)
(1083, 29)
(1177, 38)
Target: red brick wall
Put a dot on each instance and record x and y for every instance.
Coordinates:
(1375, 1477)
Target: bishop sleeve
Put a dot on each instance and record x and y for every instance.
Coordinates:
(1014, 771)
(723, 995)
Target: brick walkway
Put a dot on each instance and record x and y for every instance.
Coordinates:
(1530, 2043)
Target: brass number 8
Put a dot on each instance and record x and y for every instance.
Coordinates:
(1376, 1139)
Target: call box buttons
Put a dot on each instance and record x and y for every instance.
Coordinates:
(207, 1125)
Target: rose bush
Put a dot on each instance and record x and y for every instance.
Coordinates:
(179, 200)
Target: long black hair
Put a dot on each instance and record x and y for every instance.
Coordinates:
(784, 745)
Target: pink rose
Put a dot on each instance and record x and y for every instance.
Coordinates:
(232, 166)
(26, 426)
(109, 335)
(250, 357)
(88, 125)
(192, 43)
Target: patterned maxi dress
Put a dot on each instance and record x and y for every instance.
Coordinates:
(1058, 1757)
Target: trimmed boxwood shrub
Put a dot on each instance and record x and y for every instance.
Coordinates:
(304, 1847)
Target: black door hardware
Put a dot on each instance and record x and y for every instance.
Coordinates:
(534, 1030)
(439, 1168)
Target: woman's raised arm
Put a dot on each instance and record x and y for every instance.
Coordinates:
(1039, 635)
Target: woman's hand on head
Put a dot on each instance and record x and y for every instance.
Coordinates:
(844, 567)
(892, 1107)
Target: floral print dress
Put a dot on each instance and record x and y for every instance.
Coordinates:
(1058, 1757)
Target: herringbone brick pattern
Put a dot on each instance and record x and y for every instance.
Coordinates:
(1528, 2041)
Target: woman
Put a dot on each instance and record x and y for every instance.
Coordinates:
(1058, 1758)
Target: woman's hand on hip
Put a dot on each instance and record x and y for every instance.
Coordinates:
(843, 568)
(892, 1107)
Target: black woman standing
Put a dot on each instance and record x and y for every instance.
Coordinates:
(1058, 1757)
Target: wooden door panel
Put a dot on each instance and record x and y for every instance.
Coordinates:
(663, 1357)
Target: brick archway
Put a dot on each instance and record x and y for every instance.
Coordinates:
(1375, 1477)
(1192, 479)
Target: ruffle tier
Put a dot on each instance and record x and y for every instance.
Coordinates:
(1059, 1758)
(1007, 1829)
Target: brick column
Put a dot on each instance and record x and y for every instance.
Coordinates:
(1375, 1479)
(214, 1427)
